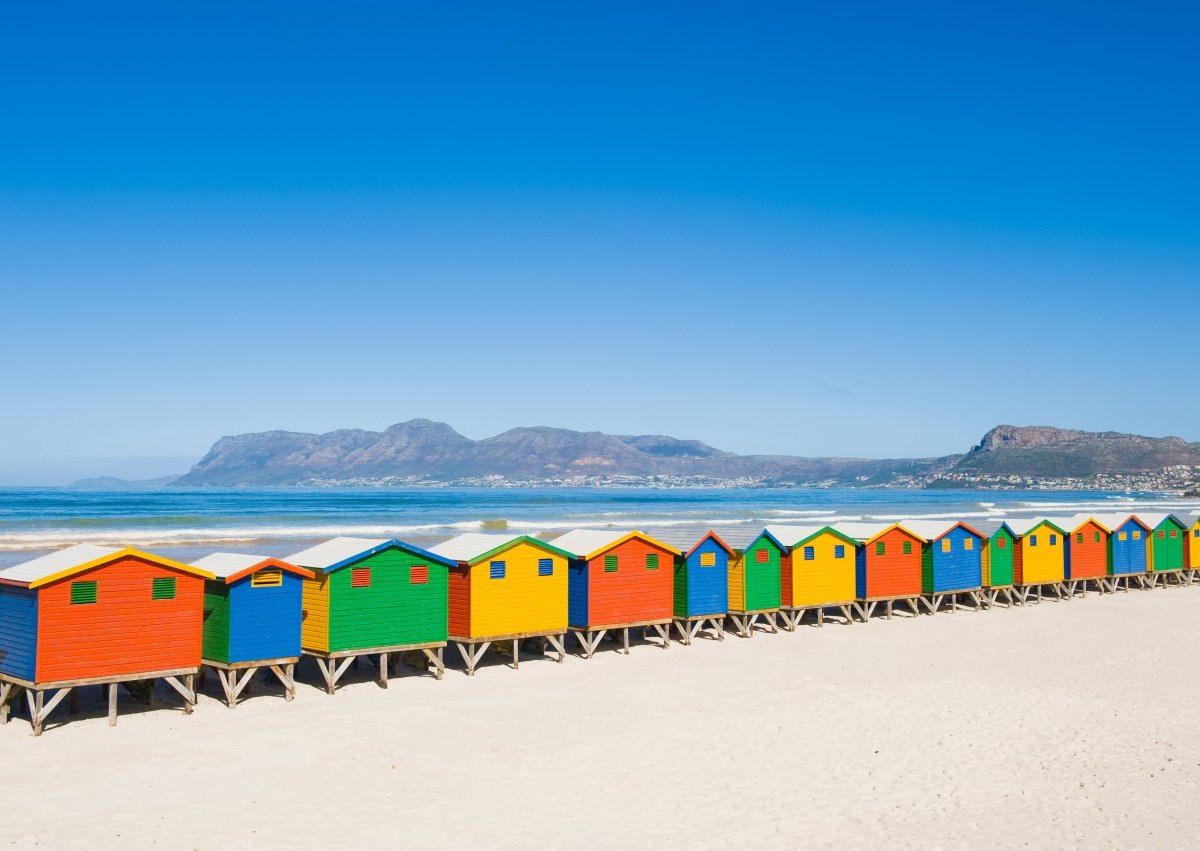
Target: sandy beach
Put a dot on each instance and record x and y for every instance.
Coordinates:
(1057, 725)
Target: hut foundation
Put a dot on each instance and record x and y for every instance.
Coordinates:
(590, 638)
(334, 665)
(745, 623)
(1124, 581)
(1175, 576)
(697, 626)
(473, 650)
(235, 676)
(1081, 586)
(867, 607)
(794, 615)
(1032, 591)
(992, 594)
(933, 602)
(44, 698)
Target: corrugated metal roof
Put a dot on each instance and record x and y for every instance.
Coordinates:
(583, 542)
(1157, 518)
(930, 530)
(52, 563)
(1113, 520)
(224, 565)
(1022, 526)
(335, 551)
(471, 545)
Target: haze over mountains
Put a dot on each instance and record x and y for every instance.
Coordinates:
(420, 450)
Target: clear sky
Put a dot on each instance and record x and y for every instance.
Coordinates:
(870, 229)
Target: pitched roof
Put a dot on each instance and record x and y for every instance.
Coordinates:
(867, 532)
(587, 544)
(337, 553)
(710, 535)
(1078, 521)
(80, 557)
(770, 536)
(233, 566)
(1156, 518)
(932, 530)
(1024, 525)
(474, 547)
(1115, 520)
(794, 536)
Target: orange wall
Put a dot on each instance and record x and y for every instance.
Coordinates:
(125, 631)
(1089, 560)
(460, 601)
(632, 594)
(894, 574)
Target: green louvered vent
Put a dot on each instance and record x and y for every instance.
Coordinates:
(163, 588)
(83, 593)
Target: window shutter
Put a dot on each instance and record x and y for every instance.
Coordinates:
(708, 559)
(498, 570)
(839, 551)
(610, 564)
(1137, 534)
(907, 548)
(880, 548)
(1079, 537)
(651, 561)
(1161, 534)
(162, 588)
(83, 593)
(761, 556)
(1054, 540)
(1095, 537)
(945, 545)
(1033, 540)
(360, 577)
(1002, 543)
(418, 574)
(809, 554)
(968, 543)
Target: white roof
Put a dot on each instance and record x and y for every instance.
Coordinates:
(584, 542)
(1024, 525)
(789, 536)
(1112, 520)
(471, 545)
(1155, 519)
(334, 551)
(224, 565)
(930, 530)
(862, 531)
(52, 563)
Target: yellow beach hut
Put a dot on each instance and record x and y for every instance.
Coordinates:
(506, 588)
(818, 575)
(1040, 558)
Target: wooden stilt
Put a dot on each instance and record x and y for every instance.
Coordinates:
(112, 704)
(383, 670)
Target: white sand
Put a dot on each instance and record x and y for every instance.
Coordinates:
(1064, 724)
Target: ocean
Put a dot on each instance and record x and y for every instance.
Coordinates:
(186, 523)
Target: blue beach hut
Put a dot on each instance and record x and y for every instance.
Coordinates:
(702, 587)
(951, 560)
(252, 617)
(1127, 545)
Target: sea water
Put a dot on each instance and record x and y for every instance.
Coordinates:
(186, 523)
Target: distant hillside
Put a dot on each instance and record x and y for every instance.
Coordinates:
(422, 450)
(1045, 451)
(110, 483)
(426, 449)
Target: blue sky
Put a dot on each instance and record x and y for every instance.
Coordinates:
(876, 229)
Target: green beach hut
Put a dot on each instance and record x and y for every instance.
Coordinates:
(754, 585)
(372, 598)
(1165, 548)
(998, 564)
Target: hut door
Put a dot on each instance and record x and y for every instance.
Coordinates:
(1120, 554)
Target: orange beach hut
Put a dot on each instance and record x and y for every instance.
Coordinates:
(887, 566)
(93, 615)
(617, 580)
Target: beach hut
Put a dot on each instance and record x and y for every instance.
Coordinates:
(1165, 555)
(505, 588)
(818, 573)
(1087, 552)
(1192, 547)
(998, 558)
(616, 581)
(701, 588)
(93, 615)
(951, 562)
(251, 619)
(887, 566)
(754, 585)
(1127, 553)
(372, 597)
(1040, 560)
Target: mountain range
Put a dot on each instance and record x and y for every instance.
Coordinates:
(423, 450)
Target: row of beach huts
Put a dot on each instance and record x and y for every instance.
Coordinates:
(116, 618)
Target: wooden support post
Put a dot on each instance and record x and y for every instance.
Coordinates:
(516, 654)
(383, 670)
(625, 640)
(34, 699)
(112, 704)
